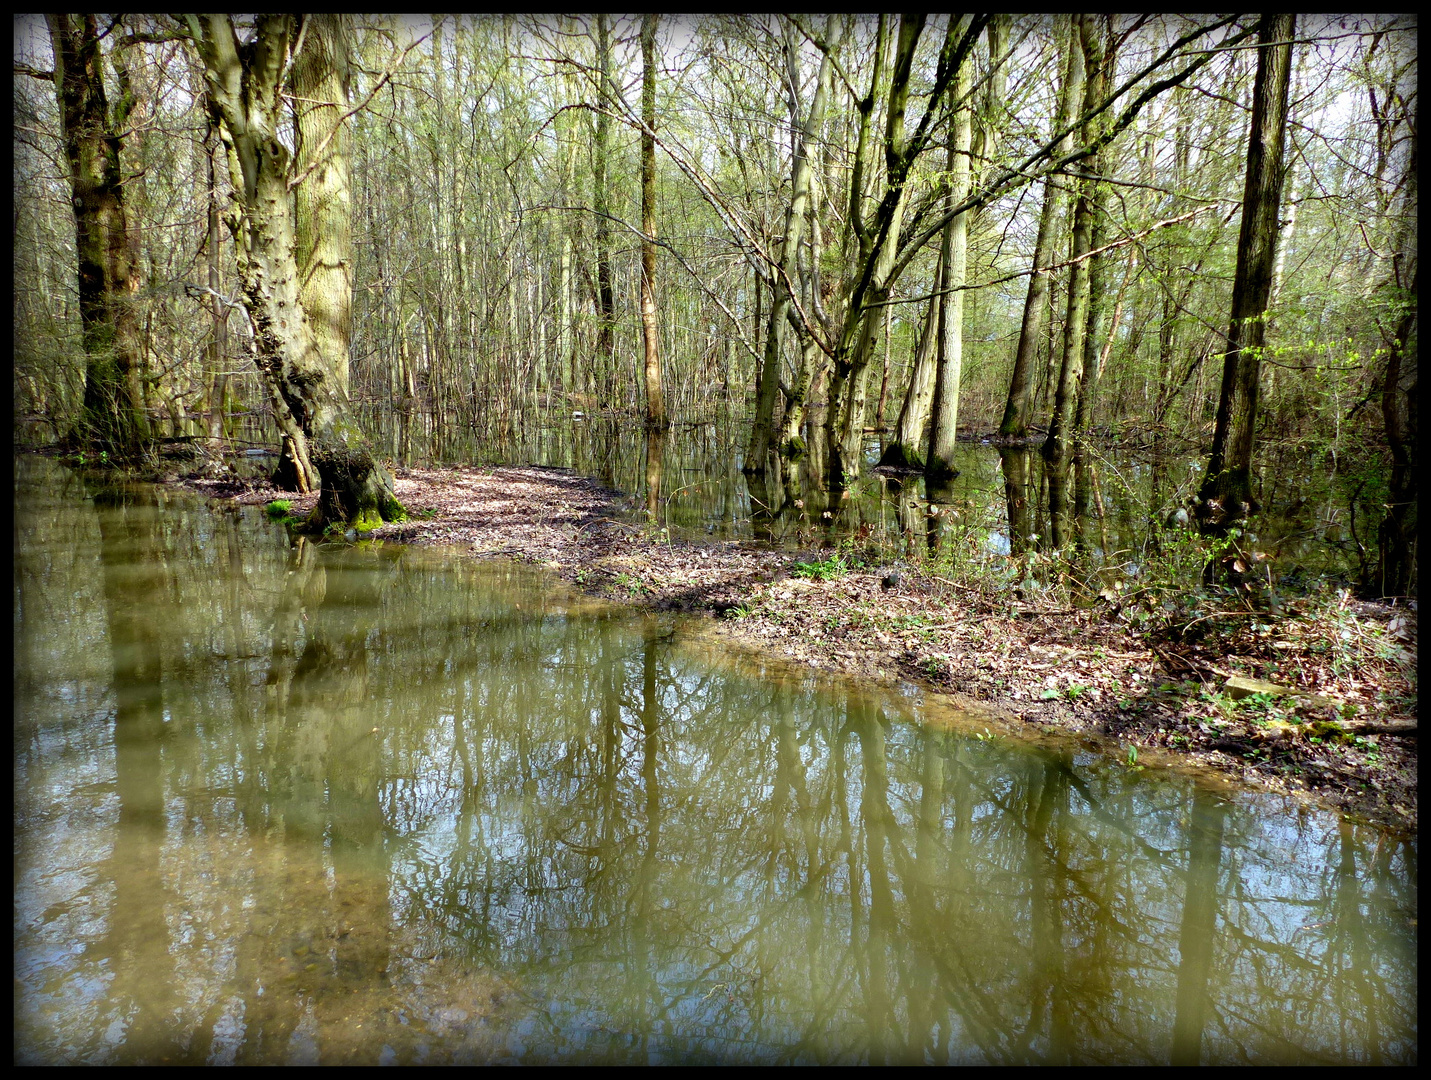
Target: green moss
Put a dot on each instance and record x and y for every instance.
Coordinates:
(367, 520)
(278, 509)
(392, 510)
(1331, 731)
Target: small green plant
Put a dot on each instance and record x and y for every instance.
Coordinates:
(1132, 759)
(632, 584)
(278, 509)
(822, 569)
(1076, 691)
(740, 611)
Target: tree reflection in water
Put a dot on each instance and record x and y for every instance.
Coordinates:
(579, 837)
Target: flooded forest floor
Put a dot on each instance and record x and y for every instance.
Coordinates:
(1345, 735)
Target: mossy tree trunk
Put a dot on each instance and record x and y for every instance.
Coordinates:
(323, 446)
(113, 416)
(324, 211)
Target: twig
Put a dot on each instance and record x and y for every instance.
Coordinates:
(956, 584)
(1230, 615)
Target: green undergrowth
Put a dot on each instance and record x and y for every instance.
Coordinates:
(1218, 596)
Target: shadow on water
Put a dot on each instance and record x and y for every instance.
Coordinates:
(321, 804)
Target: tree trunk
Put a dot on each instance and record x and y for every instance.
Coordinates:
(906, 449)
(812, 357)
(1396, 562)
(601, 201)
(877, 240)
(762, 430)
(1015, 423)
(218, 343)
(321, 83)
(1396, 538)
(1226, 494)
(113, 413)
(884, 375)
(1097, 286)
(324, 446)
(1060, 430)
(954, 254)
(655, 402)
(1093, 341)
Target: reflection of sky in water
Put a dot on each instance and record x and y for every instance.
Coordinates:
(533, 859)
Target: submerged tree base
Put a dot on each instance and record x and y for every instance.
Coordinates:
(1224, 500)
(357, 490)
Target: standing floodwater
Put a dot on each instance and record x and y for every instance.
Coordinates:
(328, 804)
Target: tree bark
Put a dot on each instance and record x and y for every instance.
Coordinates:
(1015, 423)
(321, 84)
(1396, 537)
(954, 254)
(655, 401)
(113, 415)
(323, 446)
(601, 199)
(218, 343)
(1056, 448)
(802, 134)
(906, 449)
(1226, 493)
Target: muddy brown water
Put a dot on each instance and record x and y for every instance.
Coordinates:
(279, 804)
